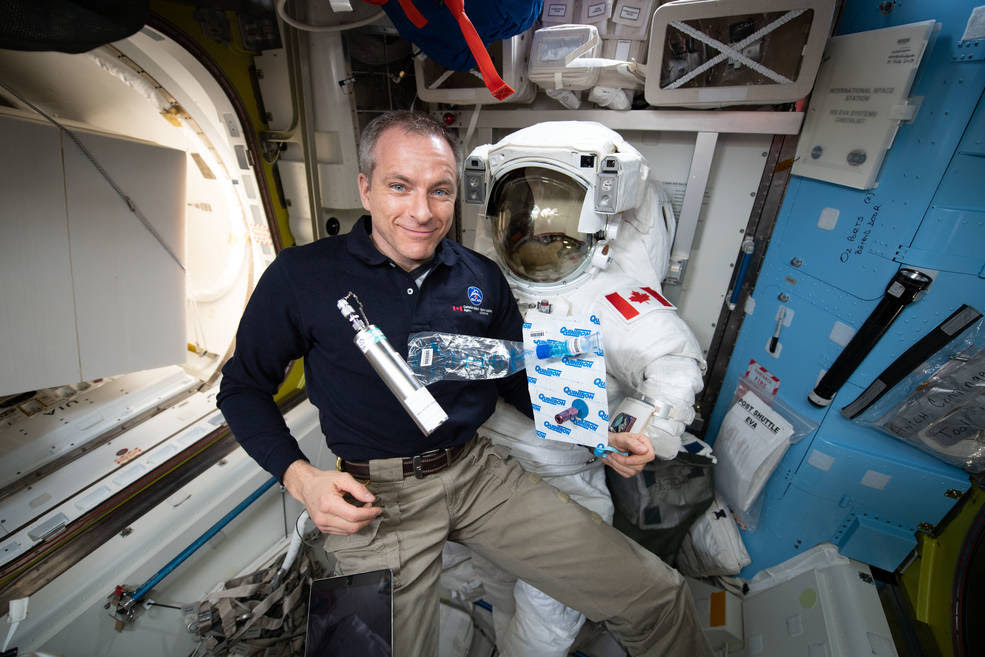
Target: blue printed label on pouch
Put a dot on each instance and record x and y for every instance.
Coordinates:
(541, 434)
(595, 320)
(585, 424)
(551, 400)
(577, 362)
(574, 332)
(604, 415)
(583, 394)
(600, 383)
(557, 429)
(547, 371)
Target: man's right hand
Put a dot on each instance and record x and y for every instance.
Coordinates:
(322, 491)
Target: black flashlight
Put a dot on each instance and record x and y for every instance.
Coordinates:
(902, 290)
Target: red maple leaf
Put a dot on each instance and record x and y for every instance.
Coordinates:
(639, 297)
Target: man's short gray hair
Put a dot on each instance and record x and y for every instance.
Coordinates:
(411, 122)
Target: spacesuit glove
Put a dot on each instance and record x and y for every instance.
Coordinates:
(666, 445)
(640, 453)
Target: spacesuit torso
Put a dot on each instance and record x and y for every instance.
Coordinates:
(541, 225)
(622, 346)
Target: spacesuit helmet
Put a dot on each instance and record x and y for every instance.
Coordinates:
(534, 214)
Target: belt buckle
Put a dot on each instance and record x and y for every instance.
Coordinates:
(418, 467)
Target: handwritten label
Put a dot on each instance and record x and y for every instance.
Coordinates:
(859, 234)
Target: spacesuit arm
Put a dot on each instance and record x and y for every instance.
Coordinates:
(659, 361)
(670, 384)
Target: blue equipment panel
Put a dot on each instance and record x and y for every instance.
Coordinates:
(832, 254)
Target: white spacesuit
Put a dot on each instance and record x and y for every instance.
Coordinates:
(580, 228)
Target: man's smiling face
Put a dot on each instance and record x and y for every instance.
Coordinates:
(410, 195)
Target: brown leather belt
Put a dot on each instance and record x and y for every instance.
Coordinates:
(420, 466)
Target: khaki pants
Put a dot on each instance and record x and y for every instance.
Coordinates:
(487, 502)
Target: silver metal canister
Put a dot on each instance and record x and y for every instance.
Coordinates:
(395, 372)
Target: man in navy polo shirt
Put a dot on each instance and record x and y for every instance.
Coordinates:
(409, 278)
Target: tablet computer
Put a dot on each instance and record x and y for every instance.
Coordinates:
(351, 615)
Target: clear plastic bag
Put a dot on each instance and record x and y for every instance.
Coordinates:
(940, 406)
(437, 356)
(754, 436)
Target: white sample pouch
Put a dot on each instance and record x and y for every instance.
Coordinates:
(754, 436)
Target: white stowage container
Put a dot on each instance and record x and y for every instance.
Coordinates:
(555, 48)
(720, 615)
(631, 20)
(832, 611)
(624, 50)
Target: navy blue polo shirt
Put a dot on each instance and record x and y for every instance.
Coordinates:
(292, 313)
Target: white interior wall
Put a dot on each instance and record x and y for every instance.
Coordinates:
(236, 221)
(109, 318)
(732, 185)
(223, 247)
(69, 613)
(129, 303)
(228, 221)
(37, 299)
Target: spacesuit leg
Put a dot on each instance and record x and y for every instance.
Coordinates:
(498, 585)
(541, 626)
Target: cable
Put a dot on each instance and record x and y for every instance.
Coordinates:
(282, 14)
(197, 543)
(299, 523)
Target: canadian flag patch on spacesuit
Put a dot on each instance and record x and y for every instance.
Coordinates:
(634, 302)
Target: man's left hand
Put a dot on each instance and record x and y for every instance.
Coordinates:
(640, 453)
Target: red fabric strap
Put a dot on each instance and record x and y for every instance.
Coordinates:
(490, 77)
(494, 83)
(415, 16)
